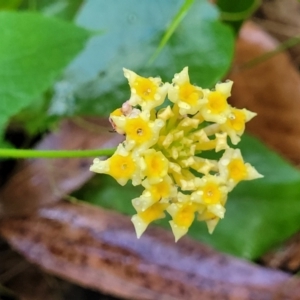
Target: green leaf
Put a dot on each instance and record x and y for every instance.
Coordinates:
(260, 214)
(235, 12)
(6, 145)
(33, 52)
(133, 30)
(103, 190)
(10, 4)
(63, 9)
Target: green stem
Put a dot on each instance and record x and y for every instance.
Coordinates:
(172, 27)
(24, 153)
(289, 43)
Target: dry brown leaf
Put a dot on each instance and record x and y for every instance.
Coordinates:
(285, 257)
(270, 88)
(99, 249)
(37, 182)
(21, 280)
(282, 20)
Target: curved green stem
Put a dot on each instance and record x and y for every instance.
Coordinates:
(24, 153)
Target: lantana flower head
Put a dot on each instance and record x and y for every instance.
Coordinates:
(164, 150)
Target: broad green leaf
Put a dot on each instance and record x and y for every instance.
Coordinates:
(260, 213)
(33, 52)
(133, 30)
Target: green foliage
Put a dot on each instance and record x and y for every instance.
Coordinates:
(260, 213)
(63, 9)
(132, 35)
(235, 12)
(10, 4)
(32, 55)
(104, 191)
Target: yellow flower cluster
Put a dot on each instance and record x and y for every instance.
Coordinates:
(164, 150)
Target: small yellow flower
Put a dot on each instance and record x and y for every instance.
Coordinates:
(236, 120)
(143, 202)
(156, 165)
(140, 132)
(211, 189)
(145, 88)
(235, 123)
(237, 170)
(183, 215)
(122, 166)
(163, 151)
(217, 103)
(163, 191)
(211, 193)
(216, 109)
(188, 97)
(142, 219)
(189, 94)
(146, 92)
(233, 169)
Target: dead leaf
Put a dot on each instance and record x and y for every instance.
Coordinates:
(270, 88)
(21, 280)
(282, 20)
(285, 257)
(98, 249)
(37, 182)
